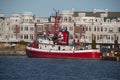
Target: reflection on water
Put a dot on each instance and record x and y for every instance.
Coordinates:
(23, 68)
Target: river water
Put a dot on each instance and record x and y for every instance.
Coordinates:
(24, 68)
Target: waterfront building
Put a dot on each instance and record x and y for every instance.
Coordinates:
(101, 25)
(14, 28)
(2, 20)
(27, 26)
(9, 28)
(40, 25)
(67, 22)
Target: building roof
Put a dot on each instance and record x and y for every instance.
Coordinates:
(97, 14)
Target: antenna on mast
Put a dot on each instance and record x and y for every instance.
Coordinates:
(56, 22)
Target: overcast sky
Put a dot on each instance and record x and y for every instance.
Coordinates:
(44, 8)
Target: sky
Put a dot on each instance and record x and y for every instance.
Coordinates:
(44, 8)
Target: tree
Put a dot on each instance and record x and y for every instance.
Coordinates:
(93, 44)
(116, 44)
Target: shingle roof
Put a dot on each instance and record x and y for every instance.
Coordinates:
(97, 14)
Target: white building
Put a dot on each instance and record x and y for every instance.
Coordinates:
(67, 22)
(102, 25)
(27, 27)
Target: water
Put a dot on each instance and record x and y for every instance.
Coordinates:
(23, 68)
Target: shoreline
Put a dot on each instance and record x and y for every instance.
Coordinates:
(12, 53)
(18, 50)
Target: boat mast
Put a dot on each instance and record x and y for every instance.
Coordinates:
(56, 23)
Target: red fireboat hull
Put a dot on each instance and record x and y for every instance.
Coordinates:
(83, 54)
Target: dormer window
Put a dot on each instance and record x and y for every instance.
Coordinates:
(107, 20)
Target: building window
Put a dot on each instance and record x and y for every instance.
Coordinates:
(101, 36)
(96, 20)
(95, 28)
(105, 29)
(114, 20)
(108, 20)
(89, 28)
(65, 18)
(112, 38)
(26, 28)
(31, 36)
(76, 36)
(108, 37)
(11, 36)
(71, 28)
(101, 29)
(118, 29)
(64, 27)
(39, 28)
(83, 29)
(98, 28)
(26, 20)
(70, 37)
(31, 28)
(38, 21)
(44, 28)
(110, 29)
(25, 36)
(98, 37)
(84, 20)
(9, 28)
(21, 28)
(86, 28)
(30, 20)
(16, 20)
(70, 19)
(21, 36)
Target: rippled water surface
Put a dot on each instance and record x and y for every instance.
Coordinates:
(23, 68)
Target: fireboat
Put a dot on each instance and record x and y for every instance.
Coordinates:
(57, 46)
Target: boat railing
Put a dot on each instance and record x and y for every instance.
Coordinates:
(51, 47)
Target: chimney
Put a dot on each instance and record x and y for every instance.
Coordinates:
(106, 11)
(94, 10)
